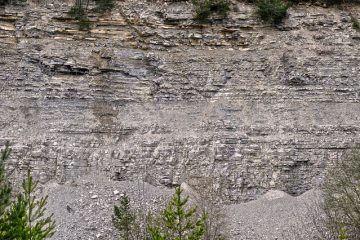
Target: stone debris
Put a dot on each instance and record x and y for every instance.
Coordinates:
(282, 217)
(150, 94)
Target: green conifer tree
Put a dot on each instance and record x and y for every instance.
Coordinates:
(5, 191)
(23, 218)
(177, 222)
(14, 222)
(5, 188)
(124, 219)
(37, 227)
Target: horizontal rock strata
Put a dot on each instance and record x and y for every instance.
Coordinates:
(149, 92)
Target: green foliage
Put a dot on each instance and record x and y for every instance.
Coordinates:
(271, 11)
(104, 5)
(124, 220)
(204, 8)
(156, 234)
(208, 202)
(343, 234)
(341, 193)
(5, 188)
(177, 222)
(339, 2)
(332, 2)
(84, 24)
(13, 223)
(37, 227)
(327, 2)
(79, 11)
(23, 218)
(80, 14)
(355, 23)
(14, 2)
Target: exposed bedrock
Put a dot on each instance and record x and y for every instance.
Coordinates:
(150, 93)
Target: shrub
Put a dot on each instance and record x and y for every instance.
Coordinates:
(271, 11)
(4, 2)
(337, 2)
(104, 5)
(84, 24)
(80, 14)
(355, 23)
(207, 199)
(79, 11)
(341, 204)
(204, 8)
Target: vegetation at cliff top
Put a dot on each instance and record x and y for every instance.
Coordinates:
(271, 11)
(205, 8)
(4, 2)
(104, 5)
(80, 11)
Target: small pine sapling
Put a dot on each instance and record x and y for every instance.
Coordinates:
(14, 222)
(25, 219)
(22, 218)
(5, 193)
(177, 222)
(38, 227)
(124, 220)
(5, 188)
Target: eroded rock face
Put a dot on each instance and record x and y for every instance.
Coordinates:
(149, 92)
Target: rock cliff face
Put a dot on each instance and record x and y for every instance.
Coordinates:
(149, 92)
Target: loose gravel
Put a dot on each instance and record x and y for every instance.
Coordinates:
(83, 209)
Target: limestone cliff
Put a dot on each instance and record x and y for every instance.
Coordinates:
(149, 92)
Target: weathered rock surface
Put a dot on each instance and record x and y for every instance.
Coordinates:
(149, 92)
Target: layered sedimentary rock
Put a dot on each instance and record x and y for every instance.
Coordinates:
(150, 93)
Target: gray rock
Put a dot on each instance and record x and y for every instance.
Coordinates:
(174, 103)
